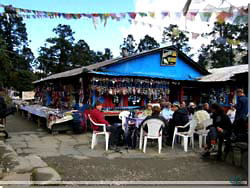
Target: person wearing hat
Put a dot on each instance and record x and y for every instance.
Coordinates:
(180, 118)
(98, 117)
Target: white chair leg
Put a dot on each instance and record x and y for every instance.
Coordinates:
(205, 140)
(200, 141)
(141, 138)
(160, 144)
(173, 141)
(192, 142)
(107, 140)
(93, 140)
(185, 143)
(145, 144)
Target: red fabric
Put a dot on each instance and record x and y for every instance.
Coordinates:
(97, 117)
(125, 100)
(213, 142)
(108, 102)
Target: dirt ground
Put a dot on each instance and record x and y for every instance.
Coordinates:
(153, 168)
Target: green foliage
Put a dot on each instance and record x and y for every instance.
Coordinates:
(61, 53)
(22, 80)
(176, 37)
(219, 53)
(15, 54)
(54, 57)
(148, 43)
(129, 44)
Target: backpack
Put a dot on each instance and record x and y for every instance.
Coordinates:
(131, 139)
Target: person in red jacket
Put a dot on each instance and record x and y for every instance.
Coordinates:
(98, 117)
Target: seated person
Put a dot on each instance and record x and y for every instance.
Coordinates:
(191, 108)
(155, 115)
(98, 117)
(220, 129)
(148, 110)
(180, 118)
(200, 115)
(207, 107)
(231, 112)
(166, 112)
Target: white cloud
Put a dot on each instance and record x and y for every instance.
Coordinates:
(139, 30)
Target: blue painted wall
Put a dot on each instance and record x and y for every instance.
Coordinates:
(149, 65)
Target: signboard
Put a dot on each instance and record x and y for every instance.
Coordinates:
(168, 57)
(28, 95)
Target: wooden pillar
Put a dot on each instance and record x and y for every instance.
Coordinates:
(181, 97)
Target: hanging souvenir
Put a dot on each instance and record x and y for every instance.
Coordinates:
(116, 99)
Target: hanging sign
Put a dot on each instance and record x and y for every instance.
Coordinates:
(168, 57)
(28, 95)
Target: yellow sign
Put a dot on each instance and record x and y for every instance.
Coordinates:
(168, 57)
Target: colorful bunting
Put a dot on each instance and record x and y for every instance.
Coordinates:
(132, 15)
(152, 14)
(164, 14)
(191, 16)
(142, 14)
(205, 16)
(195, 35)
(222, 16)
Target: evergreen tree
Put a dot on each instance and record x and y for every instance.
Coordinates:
(148, 43)
(16, 56)
(176, 37)
(81, 55)
(220, 52)
(129, 44)
(57, 51)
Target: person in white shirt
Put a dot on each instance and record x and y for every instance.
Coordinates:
(166, 112)
(231, 112)
(200, 115)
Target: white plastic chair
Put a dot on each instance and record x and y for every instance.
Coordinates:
(122, 116)
(154, 132)
(203, 132)
(189, 134)
(96, 133)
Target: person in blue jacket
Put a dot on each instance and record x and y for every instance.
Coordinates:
(239, 125)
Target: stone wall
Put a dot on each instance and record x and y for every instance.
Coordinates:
(238, 155)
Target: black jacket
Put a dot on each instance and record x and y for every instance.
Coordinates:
(180, 117)
(222, 121)
(154, 116)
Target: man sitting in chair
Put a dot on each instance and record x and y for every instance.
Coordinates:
(155, 115)
(180, 118)
(98, 117)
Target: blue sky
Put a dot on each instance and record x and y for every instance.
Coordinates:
(98, 39)
(111, 36)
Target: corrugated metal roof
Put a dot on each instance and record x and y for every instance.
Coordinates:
(223, 74)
